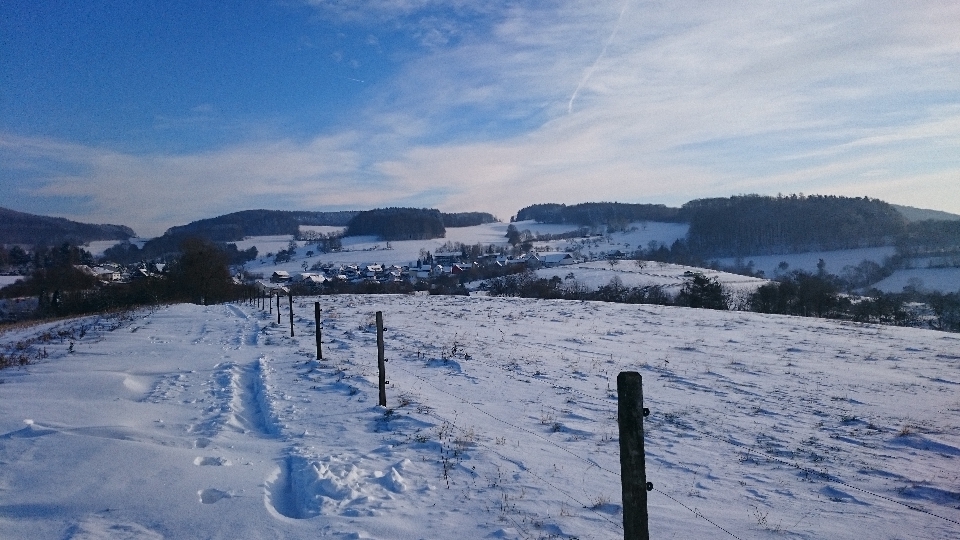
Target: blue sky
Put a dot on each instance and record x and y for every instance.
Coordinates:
(154, 114)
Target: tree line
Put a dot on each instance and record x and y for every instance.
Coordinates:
(200, 274)
(398, 224)
(747, 225)
(798, 293)
(606, 214)
(759, 225)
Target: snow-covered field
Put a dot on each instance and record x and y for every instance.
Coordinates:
(835, 260)
(946, 280)
(9, 280)
(671, 277)
(97, 247)
(212, 422)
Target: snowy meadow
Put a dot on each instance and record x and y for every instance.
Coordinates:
(213, 422)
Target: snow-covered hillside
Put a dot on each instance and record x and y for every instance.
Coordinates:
(671, 277)
(835, 260)
(363, 250)
(945, 280)
(212, 422)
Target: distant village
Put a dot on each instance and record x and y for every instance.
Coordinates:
(432, 266)
(429, 267)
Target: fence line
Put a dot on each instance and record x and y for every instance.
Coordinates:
(825, 476)
(585, 460)
(522, 468)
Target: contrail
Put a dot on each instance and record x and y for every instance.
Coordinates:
(593, 66)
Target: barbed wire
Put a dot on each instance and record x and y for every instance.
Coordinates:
(585, 460)
(825, 476)
(535, 434)
(533, 376)
(526, 469)
(696, 513)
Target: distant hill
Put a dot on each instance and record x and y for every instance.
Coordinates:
(31, 229)
(390, 224)
(239, 225)
(761, 225)
(228, 228)
(920, 214)
(748, 224)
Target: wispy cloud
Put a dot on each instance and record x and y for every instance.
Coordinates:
(697, 100)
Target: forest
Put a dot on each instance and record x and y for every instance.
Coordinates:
(398, 224)
(760, 225)
(467, 219)
(597, 214)
(763, 225)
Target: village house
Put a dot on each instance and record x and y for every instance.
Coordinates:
(550, 260)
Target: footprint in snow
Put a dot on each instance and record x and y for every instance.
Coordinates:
(211, 461)
(210, 496)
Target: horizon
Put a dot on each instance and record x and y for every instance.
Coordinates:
(152, 118)
(498, 218)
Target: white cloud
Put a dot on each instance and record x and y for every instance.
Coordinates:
(153, 192)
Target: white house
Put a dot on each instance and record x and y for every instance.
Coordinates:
(550, 260)
(107, 274)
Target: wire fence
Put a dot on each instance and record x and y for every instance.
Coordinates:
(819, 474)
(612, 402)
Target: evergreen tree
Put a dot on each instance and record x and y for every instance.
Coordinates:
(703, 292)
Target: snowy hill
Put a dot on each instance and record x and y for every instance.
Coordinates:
(835, 260)
(212, 422)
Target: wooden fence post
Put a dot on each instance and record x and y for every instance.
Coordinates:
(316, 317)
(278, 307)
(633, 476)
(290, 298)
(381, 361)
